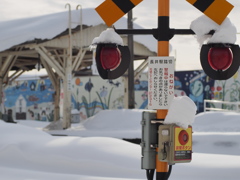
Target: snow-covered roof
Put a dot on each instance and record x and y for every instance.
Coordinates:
(19, 31)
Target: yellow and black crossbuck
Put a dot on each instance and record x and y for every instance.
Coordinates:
(112, 10)
(217, 10)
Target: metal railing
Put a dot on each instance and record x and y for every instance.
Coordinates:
(216, 105)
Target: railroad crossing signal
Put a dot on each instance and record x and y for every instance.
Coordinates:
(112, 10)
(217, 10)
(220, 61)
(112, 60)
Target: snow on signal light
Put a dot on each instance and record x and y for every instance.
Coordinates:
(220, 58)
(110, 58)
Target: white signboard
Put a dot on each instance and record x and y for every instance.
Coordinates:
(160, 82)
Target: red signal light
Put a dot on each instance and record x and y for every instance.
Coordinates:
(110, 58)
(220, 61)
(220, 58)
(183, 137)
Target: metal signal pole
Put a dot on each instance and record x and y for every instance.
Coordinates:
(163, 50)
(163, 34)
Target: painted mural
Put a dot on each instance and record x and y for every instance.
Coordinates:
(92, 94)
(228, 90)
(194, 84)
(197, 86)
(33, 99)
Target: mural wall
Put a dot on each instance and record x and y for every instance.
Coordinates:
(194, 84)
(33, 99)
(92, 94)
(197, 86)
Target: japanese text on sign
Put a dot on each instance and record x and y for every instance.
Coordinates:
(160, 82)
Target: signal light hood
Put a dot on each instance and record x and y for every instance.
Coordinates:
(119, 66)
(227, 70)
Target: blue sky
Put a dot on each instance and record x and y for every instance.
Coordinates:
(185, 48)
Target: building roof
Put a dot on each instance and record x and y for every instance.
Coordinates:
(19, 37)
(43, 28)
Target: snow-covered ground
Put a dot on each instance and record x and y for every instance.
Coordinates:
(96, 151)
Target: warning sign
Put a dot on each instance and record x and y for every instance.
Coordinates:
(160, 82)
(217, 10)
(182, 144)
(112, 10)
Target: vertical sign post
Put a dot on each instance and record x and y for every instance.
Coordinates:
(163, 50)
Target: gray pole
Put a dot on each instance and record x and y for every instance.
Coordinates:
(1, 89)
(131, 96)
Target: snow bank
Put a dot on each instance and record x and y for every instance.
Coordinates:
(9, 131)
(122, 123)
(28, 149)
(217, 122)
(33, 123)
(122, 119)
(125, 123)
(217, 143)
(207, 167)
(28, 153)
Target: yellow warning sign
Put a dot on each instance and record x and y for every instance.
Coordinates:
(112, 10)
(217, 10)
(183, 139)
